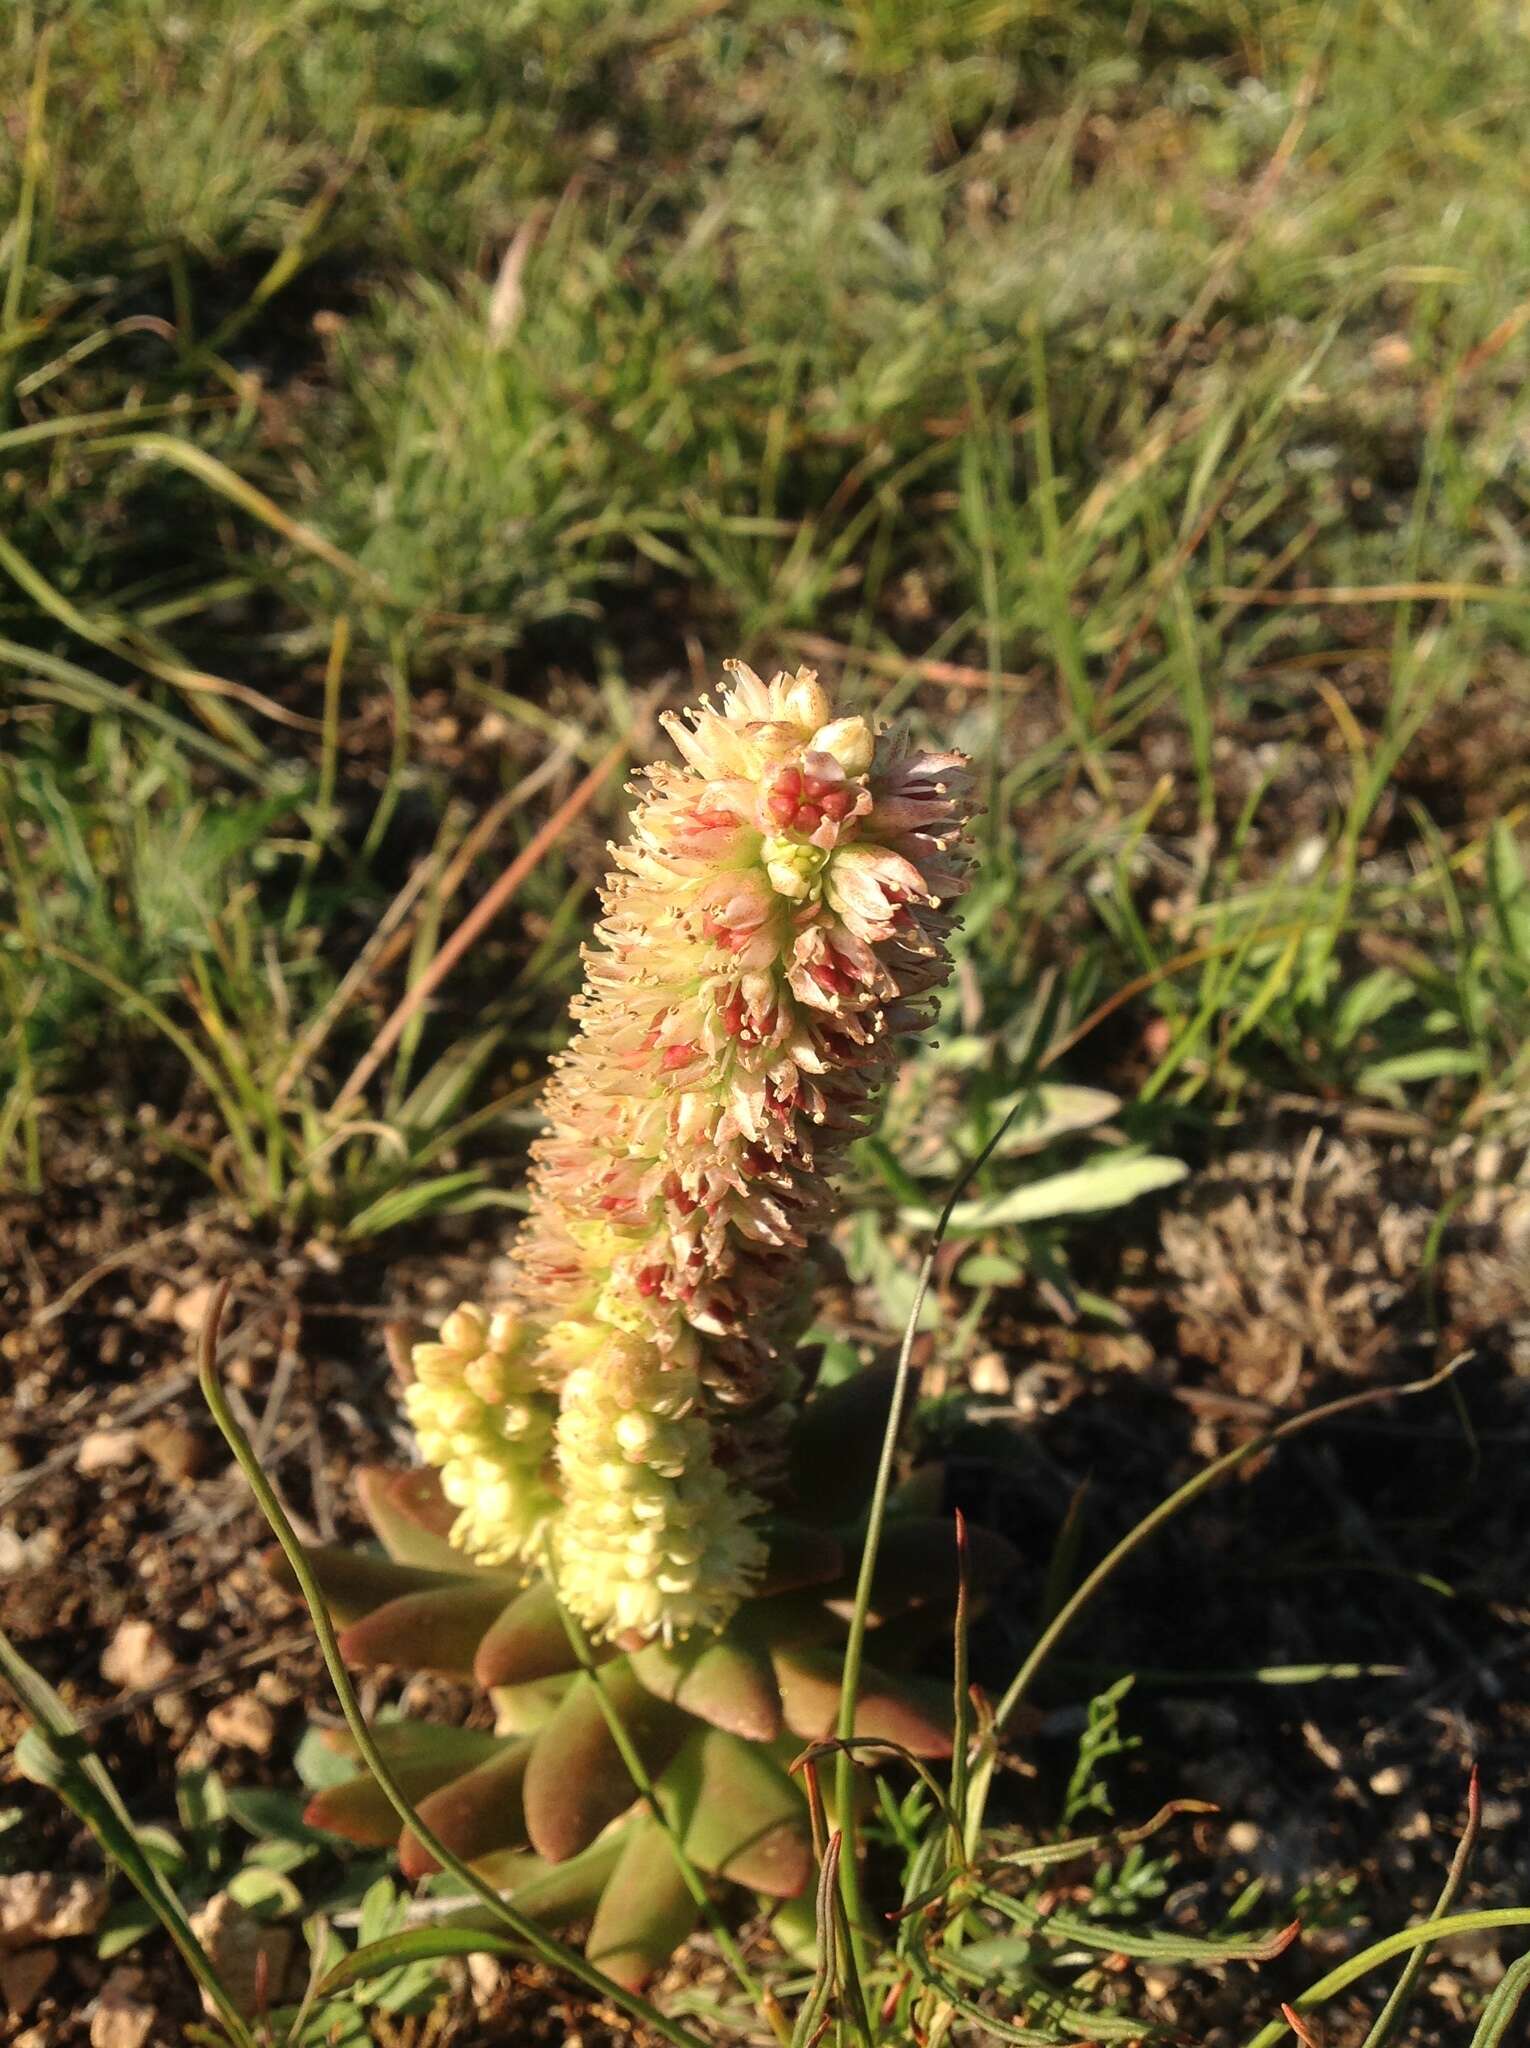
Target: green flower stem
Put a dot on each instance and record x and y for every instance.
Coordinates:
(545, 1946)
(1392, 2011)
(1151, 1523)
(1423, 1936)
(855, 1642)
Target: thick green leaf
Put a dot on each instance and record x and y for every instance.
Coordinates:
(916, 1565)
(798, 1556)
(795, 1927)
(576, 1781)
(1108, 1181)
(835, 1443)
(791, 1619)
(411, 1515)
(422, 1755)
(911, 1712)
(726, 1680)
(738, 1814)
(645, 1911)
(438, 1630)
(413, 1945)
(523, 1709)
(477, 1814)
(552, 1893)
(354, 1582)
(527, 1641)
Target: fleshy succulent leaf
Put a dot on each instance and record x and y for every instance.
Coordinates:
(788, 1619)
(477, 1814)
(436, 1630)
(576, 1781)
(423, 1755)
(548, 1892)
(527, 1641)
(916, 1565)
(835, 1443)
(523, 1709)
(797, 1555)
(645, 1911)
(738, 1815)
(411, 1516)
(725, 1679)
(355, 1582)
(902, 1710)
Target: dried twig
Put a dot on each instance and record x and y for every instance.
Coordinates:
(477, 920)
(958, 674)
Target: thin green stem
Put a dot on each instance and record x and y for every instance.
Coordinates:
(1423, 1936)
(556, 1954)
(1151, 1523)
(1392, 2011)
(855, 1642)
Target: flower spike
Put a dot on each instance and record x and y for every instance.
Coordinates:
(778, 916)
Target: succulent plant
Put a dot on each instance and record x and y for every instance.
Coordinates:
(544, 1805)
(635, 1519)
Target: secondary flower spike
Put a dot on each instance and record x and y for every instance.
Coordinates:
(778, 917)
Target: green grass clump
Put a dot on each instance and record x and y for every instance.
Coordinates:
(399, 402)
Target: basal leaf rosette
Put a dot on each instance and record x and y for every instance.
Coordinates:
(777, 918)
(542, 1802)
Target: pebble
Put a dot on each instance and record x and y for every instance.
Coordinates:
(190, 1310)
(178, 1453)
(1242, 1838)
(104, 1450)
(160, 1306)
(244, 1722)
(1390, 1780)
(120, 2020)
(252, 1958)
(22, 1977)
(37, 1905)
(136, 1657)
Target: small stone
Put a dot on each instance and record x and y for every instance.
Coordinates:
(36, 1905)
(178, 1453)
(244, 1722)
(1390, 1780)
(1242, 1838)
(988, 1374)
(190, 1310)
(136, 1657)
(485, 1978)
(22, 1977)
(172, 1710)
(104, 1450)
(120, 2020)
(251, 1957)
(1392, 352)
(160, 1306)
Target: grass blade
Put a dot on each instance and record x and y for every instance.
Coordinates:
(53, 1753)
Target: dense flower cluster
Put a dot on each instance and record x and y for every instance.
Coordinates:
(778, 917)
